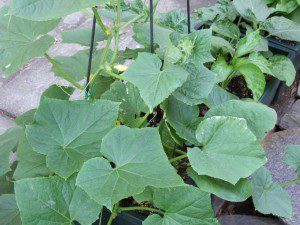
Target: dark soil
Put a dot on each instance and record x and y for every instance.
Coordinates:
(240, 208)
(238, 87)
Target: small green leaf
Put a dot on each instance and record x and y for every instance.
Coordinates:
(6, 184)
(228, 143)
(30, 163)
(283, 69)
(111, 14)
(293, 157)
(154, 85)
(260, 118)
(253, 9)
(220, 45)
(221, 69)
(182, 205)
(175, 19)
(83, 36)
(247, 44)
(8, 141)
(166, 137)
(198, 85)
(76, 65)
(26, 118)
(9, 212)
(259, 60)
(234, 193)
(100, 86)
(22, 40)
(269, 197)
(282, 27)
(183, 118)
(227, 29)
(55, 201)
(69, 133)
(131, 102)
(49, 9)
(255, 79)
(218, 96)
(138, 163)
(196, 46)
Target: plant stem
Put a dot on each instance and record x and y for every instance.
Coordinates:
(120, 77)
(178, 158)
(144, 118)
(132, 21)
(180, 152)
(105, 51)
(114, 214)
(99, 20)
(63, 73)
(117, 32)
(292, 182)
(141, 208)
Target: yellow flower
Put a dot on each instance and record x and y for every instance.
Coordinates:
(121, 68)
(118, 123)
(108, 32)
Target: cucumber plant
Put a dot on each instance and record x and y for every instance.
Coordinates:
(138, 133)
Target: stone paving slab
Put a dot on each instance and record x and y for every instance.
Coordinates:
(5, 123)
(274, 146)
(291, 119)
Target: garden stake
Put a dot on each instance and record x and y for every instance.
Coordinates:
(151, 27)
(88, 76)
(188, 15)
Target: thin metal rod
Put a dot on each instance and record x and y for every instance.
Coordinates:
(88, 76)
(151, 27)
(188, 8)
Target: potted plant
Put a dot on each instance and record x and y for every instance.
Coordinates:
(144, 132)
(275, 21)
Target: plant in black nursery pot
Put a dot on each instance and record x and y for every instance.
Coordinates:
(143, 132)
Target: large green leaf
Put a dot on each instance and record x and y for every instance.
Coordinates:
(259, 60)
(260, 118)
(218, 96)
(269, 197)
(138, 163)
(282, 27)
(183, 118)
(30, 163)
(9, 212)
(234, 193)
(253, 9)
(54, 201)
(182, 205)
(198, 85)
(82, 36)
(293, 157)
(220, 45)
(22, 40)
(69, 133)
(49, 9)
(283, 68)
(8, 141)
(196, 46)
(228, 143)
(255, 79)
(286, 6)
(227, 29)
(131, 102)
(154, 85)
(221, 69)
(247, 44)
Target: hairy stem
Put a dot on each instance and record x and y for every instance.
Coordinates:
(99, 20)
(117, 32)
(141, 208)
(114, 214)
(180, 152)
(120, 77)
(63, 73)
(178, 158)
(132, 21)
(292, 182)
(144, 118)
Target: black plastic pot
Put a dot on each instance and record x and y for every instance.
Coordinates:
(124, 218)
